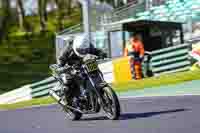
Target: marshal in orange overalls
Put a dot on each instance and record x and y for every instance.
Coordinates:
(135, 49)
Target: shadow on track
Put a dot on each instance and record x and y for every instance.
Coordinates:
(128, 116)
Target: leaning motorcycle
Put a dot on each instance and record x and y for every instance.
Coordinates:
(92, 93)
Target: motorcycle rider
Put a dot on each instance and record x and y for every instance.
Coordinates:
(71, 55)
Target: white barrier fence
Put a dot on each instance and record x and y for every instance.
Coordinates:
(21, 94)
(41, 88)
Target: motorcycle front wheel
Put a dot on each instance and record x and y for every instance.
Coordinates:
(111, 103)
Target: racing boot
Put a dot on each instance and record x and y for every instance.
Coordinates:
(76, 103)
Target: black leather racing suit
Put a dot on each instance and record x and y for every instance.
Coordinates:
(68, 58)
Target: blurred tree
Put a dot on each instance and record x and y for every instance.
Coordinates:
(64, 10)
(45, 10)
(60, 13)
(5, 18)
(69, 7)
(42, 4)
(21, 14)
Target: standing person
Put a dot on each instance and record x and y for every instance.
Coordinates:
(135, 48)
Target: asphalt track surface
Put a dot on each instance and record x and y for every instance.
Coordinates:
(176, 114)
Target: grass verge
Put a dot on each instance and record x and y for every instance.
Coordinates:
(165, 79)
(38, 101)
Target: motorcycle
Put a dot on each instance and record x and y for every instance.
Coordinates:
(92, 91)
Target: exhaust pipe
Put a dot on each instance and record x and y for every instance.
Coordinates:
(53, 94)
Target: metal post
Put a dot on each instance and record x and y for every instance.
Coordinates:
(147, 5)
(109, 44)
(86, 18)
(190, 26)
(124, 40)
(182, 35)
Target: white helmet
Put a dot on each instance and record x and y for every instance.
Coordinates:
(81, 45)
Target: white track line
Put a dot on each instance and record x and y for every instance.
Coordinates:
(121, 98)
(155, 96)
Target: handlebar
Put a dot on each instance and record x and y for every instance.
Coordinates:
(53, 66)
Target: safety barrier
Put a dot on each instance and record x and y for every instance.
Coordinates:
(122, 71)
(21, 94)
(171, 59)
(166, 60)
(41, 88)
(28, 92)
(112, 71)
(73, 29)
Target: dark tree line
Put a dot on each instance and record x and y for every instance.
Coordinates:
(63, 8)
(8, 12)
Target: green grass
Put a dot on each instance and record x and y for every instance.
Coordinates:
(39, 101)
(164, 79)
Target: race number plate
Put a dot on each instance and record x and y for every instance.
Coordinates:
(92, 66)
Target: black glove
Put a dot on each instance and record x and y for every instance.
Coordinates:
(141, 58)
(64, 69)
(102, 55)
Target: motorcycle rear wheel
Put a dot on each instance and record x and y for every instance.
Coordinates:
(112, 105)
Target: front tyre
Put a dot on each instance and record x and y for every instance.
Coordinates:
(111, 104)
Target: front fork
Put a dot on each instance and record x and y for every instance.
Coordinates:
(97, 88)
